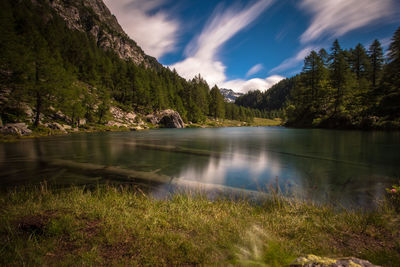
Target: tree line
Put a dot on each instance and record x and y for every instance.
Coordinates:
(53, 68)
(345, 88)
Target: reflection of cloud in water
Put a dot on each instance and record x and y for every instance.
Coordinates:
(218, 170)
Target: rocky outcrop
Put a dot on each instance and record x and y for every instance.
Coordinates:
(316, 261)
(167, 118)
(122, 118)
(15, 128)
(94, 18)
(56, 126)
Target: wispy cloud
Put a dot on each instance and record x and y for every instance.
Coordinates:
(338, 17)
(155, 31)
(202, 51)
(385, 42)
(255, 69)
(244, 86)
(294, 61)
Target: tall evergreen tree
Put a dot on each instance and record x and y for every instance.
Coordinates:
(375, 54)
(216, 103)
(339, 74)
(359, 62)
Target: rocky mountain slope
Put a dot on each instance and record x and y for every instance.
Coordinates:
(94, 18)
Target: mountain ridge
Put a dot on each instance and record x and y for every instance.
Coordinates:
(94, 18)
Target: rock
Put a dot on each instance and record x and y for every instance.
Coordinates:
(170, 119)
(316, 261)
(67, 127)
(15, 128)
(82, 121)
(153, 119)
(137, 128)
(122, 117)
(56, 126)
(116, 124)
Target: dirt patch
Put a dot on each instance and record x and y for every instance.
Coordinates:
(35, 223)
(359, 242)
(91, 228)
(117, 251)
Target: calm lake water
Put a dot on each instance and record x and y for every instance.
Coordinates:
(346, 167)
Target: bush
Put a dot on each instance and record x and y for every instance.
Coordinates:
(393, 197)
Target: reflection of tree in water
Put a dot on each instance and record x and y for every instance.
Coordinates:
(320, 163)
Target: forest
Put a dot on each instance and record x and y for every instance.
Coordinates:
(50, 67)
(354, 88)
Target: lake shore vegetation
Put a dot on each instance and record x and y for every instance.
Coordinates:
(120, 225)
(356, 88)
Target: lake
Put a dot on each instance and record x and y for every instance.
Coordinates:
(342, 167)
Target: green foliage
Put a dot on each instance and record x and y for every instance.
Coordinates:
(50, 66)
(393, 197)
(343, 89)
(217, 108)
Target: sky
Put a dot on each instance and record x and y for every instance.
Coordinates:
(250, 44)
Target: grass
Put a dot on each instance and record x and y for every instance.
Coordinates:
(112, 225)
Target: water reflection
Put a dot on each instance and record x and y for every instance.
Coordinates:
(344, 166)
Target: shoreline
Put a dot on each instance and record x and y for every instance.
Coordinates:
(259, 122)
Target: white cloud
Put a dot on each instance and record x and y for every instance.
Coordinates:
(155, 31)
(385, 42)
(293, 62)
(203, 50)
(337, 17)
(244, 86)
(255, 69)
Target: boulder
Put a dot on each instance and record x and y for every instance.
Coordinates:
(82, 122)
(121, 116)
(316, 261)
(15, 128)
(66, 127)
(116, 124)
(56, 126)
(170, 119)
(153, 119)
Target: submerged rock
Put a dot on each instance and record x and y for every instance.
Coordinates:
(316, 261)
(15, 128)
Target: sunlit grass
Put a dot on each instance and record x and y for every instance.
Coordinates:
(120, 225)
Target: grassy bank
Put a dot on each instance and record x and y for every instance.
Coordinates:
(115, 225)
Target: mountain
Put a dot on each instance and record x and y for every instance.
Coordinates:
(94, 18)
(229, 95)
(70, 62)
(275, 98)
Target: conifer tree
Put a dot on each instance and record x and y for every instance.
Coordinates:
(216, 103)
(376, 59)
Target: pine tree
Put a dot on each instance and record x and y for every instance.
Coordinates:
(314, 74)
(339, 75)
(216, 103)
(376, 59)
(359, 62)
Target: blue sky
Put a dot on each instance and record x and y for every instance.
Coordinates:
(250, 44)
